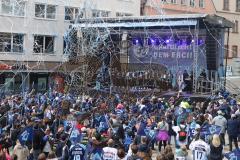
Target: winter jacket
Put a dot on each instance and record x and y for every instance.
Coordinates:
(220, 121)
(216, 152)
(21, 151)
(232, 126)
(38, 142)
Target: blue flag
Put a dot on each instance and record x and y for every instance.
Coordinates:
(150, 133)
(211, 129)
(234, 155)
(128, 140)
(70, 124)
(208, 130)
(180, 111)
(141, 128)
(75, 136)
(26, 135)
(103, 123)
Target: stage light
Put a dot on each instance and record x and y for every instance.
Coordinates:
(166, 40)
(193, 41)
(137, 41)
(200, 41)
(153, 41)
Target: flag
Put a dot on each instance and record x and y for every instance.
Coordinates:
(150, 133)
(208, 130)
(70, 124)
(234, 155)
(211, 129)
(26, 135)
(141, 128)
(132, 123)
(103, 123)
(75, 136)
(127, 140)
(119, 112)
(180, 111)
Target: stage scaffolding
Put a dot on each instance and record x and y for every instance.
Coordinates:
(93, 36)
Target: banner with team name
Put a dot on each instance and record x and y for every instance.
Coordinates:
(172, 56)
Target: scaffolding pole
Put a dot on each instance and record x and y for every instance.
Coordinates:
(195, 58)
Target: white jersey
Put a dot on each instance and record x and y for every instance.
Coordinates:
(109, 153)
(200, 150)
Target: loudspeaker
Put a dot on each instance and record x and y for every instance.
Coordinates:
(212, 50)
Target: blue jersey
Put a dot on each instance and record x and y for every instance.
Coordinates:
(77, 152)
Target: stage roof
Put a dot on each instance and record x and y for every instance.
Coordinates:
(154, 21)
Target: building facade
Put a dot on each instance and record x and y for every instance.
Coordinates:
(230, 9)
(32, 37)
(156, 7)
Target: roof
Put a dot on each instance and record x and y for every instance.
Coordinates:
(134, 18)
(153, 21)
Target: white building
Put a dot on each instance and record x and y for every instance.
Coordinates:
(31, 35)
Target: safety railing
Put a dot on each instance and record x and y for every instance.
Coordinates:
(208, 87)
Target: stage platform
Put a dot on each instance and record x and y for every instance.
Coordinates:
(192, 96)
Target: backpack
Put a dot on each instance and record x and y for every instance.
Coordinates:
(182, 134)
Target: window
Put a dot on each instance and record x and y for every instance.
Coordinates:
(237, 5)
(235, 27)
(164, 1)
(51, 12)
(192, 3)
(72, 13)
(45, 11)
(174, 1)
(183, 2)
(98, 13)
(226, 5)
(11, 42)
(119, 14)
(201, 3)
(234, 51)
(43, 44)
(14, 8)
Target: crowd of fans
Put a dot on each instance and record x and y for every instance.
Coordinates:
(40, 126)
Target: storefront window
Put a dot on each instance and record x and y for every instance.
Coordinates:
(9, 84)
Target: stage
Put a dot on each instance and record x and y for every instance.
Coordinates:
(147, 51)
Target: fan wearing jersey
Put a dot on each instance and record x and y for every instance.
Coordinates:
(200, 149)
(110, 153)
(77, 152)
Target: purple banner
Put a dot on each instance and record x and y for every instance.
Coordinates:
(172, 56)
